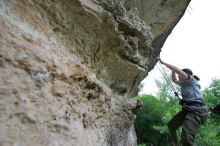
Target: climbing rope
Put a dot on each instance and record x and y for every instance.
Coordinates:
(168, 80)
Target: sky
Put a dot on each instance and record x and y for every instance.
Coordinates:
(194, 43)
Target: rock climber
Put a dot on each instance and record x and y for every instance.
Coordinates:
(194, 113)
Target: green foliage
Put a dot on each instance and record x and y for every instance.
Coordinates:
(212, 94)
(142, 145)
(144, 124)
(150, 124)
(210, 132)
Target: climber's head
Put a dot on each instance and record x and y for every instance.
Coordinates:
(189, 72)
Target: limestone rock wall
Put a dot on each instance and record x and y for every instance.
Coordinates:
(69, 67)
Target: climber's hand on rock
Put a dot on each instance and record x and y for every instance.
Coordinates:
(159, 59)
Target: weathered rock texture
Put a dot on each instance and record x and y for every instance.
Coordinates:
(69, 67)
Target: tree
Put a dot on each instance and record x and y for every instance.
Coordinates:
(209, 134)
(150, 115)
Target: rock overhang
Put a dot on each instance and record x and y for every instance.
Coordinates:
(117, 39)
(67, 67)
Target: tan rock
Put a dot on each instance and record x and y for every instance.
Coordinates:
(69, 68)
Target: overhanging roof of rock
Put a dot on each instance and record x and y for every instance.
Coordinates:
(117, 39)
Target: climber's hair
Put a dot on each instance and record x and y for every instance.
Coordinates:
(196, 77)
(189, 72)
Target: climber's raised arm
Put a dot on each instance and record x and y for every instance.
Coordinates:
(174, 78)
(175, 70)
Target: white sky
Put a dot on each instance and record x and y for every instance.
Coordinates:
(194, 43)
